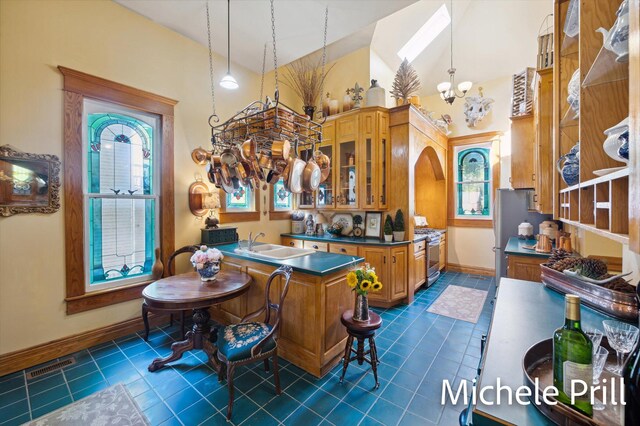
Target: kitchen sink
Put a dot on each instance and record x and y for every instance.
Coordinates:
(275, 252)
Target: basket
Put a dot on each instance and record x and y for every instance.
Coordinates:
(522, 94)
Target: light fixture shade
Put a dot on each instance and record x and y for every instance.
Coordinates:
(228, 82)
(465, 86)
(444, 86)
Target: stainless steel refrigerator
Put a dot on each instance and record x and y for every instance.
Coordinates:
(511, 208)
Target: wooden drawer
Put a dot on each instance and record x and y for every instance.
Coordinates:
(420, 246)
(348, 249)
(291, 242)
(316, 245)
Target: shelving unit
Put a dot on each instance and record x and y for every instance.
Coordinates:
(599, 204)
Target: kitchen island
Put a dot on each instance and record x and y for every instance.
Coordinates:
(524, 263)
(311, 335)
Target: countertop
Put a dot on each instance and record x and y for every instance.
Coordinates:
(327, 238)
(318, 263)
(514, 246)
(525, 313)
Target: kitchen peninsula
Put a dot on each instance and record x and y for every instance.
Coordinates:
(311, 336)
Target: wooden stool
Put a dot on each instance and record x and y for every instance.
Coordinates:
(361, 331)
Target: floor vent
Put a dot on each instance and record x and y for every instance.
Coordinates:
(51, 368)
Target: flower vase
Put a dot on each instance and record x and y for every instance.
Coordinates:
(309, 110)
(361, 310)
(209, 271)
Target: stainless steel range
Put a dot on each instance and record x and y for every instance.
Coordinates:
(433, 252)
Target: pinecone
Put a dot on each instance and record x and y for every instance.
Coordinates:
(591, 268)
(566, 263)
(620, 285)
(557, 255)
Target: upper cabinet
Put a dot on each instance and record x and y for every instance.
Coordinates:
(543, 148)
(522, 141)
(358, 145)
(595, 90)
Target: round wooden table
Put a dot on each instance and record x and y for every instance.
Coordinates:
(187, 291)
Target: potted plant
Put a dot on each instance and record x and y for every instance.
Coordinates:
(304, 76)
(388, 229)
(405, 84)
(363, 280)
(398, 226)
(207, 262)
(357, 230)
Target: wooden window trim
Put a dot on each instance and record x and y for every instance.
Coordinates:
(76, 87)
(277, 214)
(239, 216)
(478, 138)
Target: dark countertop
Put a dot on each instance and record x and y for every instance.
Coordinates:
(514, 246)
(525, 313)
(318, 263)
(327, 238)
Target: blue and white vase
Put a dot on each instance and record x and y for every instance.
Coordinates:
(569, 166)
(209, 271)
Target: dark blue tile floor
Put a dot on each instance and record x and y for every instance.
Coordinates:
(417, 350)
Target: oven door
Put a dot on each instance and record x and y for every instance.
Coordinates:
(433, 256)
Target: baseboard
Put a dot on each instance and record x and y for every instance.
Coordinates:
(477, 270)
(25, 358)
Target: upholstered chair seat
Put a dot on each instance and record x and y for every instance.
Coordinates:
(236, 341)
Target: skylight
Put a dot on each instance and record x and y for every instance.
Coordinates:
(426, 34)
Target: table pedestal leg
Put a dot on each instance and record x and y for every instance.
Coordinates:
(196, 338)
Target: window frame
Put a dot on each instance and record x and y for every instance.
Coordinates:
(279, 214)
(78, 86)
(488, 139)
(237, 215)
(487, 183)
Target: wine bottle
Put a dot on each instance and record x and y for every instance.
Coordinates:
(632, 389)
(572, 354)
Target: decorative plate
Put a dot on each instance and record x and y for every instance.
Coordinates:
(346, 220)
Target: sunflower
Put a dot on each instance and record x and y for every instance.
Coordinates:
(352, 279)
(365, 285)
(376, 286)
(373, 276)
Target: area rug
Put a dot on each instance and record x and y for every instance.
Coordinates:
(111, 406)
(460, 303)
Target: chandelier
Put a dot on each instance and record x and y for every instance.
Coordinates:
(447, 89)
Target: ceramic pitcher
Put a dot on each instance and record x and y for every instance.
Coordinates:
(569, 166)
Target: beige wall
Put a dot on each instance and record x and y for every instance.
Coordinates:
(384, 74)
(473, 246)
(107, 40)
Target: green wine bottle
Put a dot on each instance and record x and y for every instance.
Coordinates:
(572, 355)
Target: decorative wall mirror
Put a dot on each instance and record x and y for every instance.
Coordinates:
(29, 183)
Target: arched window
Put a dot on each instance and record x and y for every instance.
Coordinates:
(473, 181)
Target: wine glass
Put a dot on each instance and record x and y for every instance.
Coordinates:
(623, 338)
(599, 359)
(595, 335)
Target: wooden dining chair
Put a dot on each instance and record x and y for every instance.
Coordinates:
(171, 271)
(249, 342)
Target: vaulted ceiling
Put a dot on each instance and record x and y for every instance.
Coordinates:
(491, 38)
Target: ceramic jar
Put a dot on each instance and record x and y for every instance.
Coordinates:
(525, 230)
(573, 89)
(616, 39)
(375, 95)
(617, 139)
(569, 166)
(209, 271)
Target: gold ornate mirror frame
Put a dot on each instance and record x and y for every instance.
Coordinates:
(29, 183)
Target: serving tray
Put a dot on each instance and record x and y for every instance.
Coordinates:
(538, 363)
(620, 305)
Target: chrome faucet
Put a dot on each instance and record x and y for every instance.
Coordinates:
(252, 240)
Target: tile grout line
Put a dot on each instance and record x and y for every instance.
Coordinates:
(26, 388)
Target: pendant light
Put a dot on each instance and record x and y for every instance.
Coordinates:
(228, 82)
(447, 89)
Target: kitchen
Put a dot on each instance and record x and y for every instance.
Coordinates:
(442, 203)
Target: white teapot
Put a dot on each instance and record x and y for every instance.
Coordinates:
(617, 38)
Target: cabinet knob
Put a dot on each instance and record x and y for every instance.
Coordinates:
(291, 243)
(533, 177)
(315, 246)
(394, 259)
(344, 250)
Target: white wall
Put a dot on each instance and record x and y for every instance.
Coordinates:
(473, 246)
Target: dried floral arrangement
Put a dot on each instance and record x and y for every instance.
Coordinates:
(305, 77)
(406, 82)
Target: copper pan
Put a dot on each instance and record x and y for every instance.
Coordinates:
(324, 162)
(311, 176)
(280, 149)
(296, 170)
(200, 156)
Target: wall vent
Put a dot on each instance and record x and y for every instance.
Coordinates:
(51, 368)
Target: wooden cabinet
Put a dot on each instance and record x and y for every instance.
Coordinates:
(292, 242)
(391, 265)
(442, 258)
(543, 148)
(419, 269)
(359, 148)
(524, 267)
(522, 144)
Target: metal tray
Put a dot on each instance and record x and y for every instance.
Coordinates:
(620, 305)
(538, 363)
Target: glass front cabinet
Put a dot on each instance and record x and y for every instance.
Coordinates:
(359, 149)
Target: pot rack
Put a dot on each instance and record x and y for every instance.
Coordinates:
(265, 121)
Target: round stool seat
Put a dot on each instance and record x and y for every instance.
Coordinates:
(358, 327)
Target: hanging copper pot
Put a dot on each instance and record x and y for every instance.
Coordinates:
(200, 156)
(280, 149)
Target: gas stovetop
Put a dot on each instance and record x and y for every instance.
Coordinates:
(432, 234)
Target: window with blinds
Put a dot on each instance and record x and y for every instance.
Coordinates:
(121, 196)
